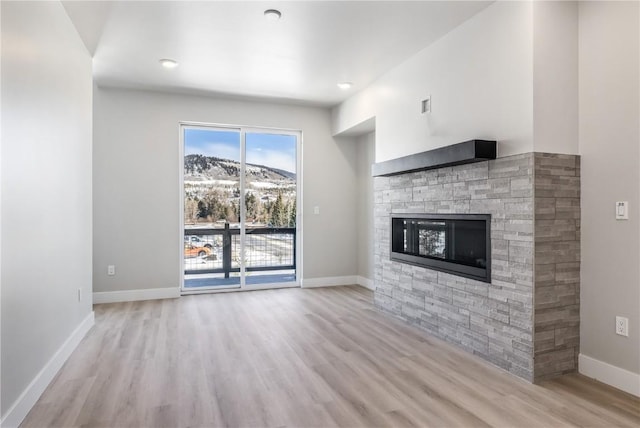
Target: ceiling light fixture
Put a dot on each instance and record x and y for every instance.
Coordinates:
(168, 63)
(345, 85)
(272, 14)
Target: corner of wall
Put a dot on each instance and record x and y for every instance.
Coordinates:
(21, 407)
(556, 264)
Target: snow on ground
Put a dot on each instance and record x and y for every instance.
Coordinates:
(212, 182)
(263, 185)
(260, 250)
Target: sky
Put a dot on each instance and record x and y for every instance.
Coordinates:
(275, 151)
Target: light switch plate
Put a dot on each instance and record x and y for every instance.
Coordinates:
(622, 210)
(426, 105)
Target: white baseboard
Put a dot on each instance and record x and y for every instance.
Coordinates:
(611, 375)
(365, 282)
(134, 295)
(329, 281)
(19, 410)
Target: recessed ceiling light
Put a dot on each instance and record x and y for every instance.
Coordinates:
(168, 63)
(272, 14)
(345, 85)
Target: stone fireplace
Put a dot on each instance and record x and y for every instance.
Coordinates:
(526, 319)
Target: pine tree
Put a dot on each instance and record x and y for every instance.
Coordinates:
(251, 205)
(278, 214)
(203, 209)
(191, 210)
(292, 214)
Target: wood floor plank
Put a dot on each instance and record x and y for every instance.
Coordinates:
(298, 358)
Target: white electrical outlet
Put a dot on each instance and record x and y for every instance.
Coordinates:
(111, 270)
(622, 326)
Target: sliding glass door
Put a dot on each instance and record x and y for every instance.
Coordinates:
(270, 207)
(240, 199)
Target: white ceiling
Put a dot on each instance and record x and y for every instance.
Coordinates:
(229, 48)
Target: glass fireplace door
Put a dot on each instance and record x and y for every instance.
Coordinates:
(453, 243)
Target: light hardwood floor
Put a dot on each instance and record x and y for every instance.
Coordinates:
(293, 357)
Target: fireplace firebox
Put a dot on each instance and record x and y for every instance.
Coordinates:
(459, 244)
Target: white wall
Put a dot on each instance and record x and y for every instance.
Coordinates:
(364, 212)
(0, 214)
(137, 194)
(610, 150)
(555, 77)
(46, 189)
(479, 77)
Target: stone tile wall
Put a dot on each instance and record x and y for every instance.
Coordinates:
(557, 264)
(494, 321)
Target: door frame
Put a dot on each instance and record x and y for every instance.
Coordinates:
(299, 204)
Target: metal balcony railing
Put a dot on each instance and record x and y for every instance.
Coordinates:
(217, 251)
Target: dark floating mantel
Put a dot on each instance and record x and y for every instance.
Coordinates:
(458, 154)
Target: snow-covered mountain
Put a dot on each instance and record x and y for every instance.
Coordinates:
(204, 168)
